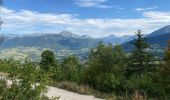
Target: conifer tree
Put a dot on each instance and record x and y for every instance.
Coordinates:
(140, 58)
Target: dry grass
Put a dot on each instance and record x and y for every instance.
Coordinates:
(4, 74)
(74, 87)
(138, 96)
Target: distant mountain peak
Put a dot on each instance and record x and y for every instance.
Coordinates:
(116, 39)
(111, 35)
(163, 30)
(68, 34)
(86, 36)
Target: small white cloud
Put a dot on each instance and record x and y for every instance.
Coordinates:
(157, 15)
(146, 9)
(92, 3)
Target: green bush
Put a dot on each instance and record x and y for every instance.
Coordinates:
(24, 84)
(70, 68)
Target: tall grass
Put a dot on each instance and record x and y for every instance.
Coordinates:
(138, 96)
(74, 87)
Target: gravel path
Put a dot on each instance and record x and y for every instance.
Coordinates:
(67, 95)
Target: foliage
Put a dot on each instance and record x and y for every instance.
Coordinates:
(70, 69)
(48, 60)
(8, 65)
(26, 84)
(140, 60)
(50, 66)
(105, 68)
(164, 75)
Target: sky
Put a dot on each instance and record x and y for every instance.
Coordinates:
(96, 18)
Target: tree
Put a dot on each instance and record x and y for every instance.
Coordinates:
(165, 73)
(141, 68)
(105, 67)
(140, 59)
(70, 68)
(167, 56)
(48, 60)
(50, 65)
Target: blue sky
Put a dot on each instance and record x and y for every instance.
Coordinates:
(96, 18)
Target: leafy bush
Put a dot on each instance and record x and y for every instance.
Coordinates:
(24, 84)
(105, 68)
(70, 68)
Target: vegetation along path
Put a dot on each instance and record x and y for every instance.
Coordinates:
(65, 95)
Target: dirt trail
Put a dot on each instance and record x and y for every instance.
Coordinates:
(67, 95)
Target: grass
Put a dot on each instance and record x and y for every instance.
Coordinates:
(137, 96)
(74, 87)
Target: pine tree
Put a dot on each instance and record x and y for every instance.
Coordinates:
(140, 58)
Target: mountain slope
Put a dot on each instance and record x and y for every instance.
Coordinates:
(161, 31)
(159, 37)
(52, 41)
(68, 34)
(160, 40)
(116, 40)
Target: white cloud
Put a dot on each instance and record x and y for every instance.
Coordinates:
(157, 15)
(25, 21)
(92, 3)
(146, 9)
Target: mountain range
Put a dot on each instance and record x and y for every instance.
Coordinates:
(52, 41)
(115, 39)
(62, 40)
(68, 40)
